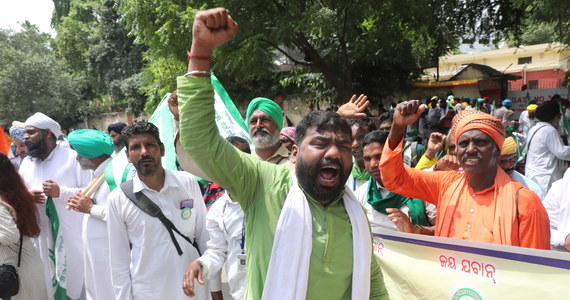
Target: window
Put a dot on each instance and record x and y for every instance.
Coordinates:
(525, 60)
(533, 84)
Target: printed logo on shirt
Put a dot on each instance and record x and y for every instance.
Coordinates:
(186, 208)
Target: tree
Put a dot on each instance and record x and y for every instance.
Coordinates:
(33, 79)
(336, 47)
(546, 14)
(98, 47)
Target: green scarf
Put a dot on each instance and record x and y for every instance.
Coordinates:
(364, 175)
(416, 206)
(51, 212)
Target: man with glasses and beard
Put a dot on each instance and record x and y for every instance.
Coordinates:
(146, 263)
(307, 235)
(52, 172)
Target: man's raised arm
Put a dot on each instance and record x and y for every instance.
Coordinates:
(235, 171)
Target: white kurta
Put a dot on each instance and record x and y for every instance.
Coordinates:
(153, 269)
(98, 283)
(545, 155)
(557, 204)
(62, 167)
(225, 222)
(526, 123)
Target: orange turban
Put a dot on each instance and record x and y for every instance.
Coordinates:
(473, 119)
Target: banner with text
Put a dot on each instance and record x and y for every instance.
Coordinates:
(427, 267)
(521, 98)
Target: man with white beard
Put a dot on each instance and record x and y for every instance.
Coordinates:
(265, 120)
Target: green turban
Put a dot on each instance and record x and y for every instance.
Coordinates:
(267, 106)
(90, 143)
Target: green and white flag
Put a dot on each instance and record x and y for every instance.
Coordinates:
(228, 120)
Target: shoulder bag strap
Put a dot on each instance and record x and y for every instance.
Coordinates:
(20, 250)
(150, 208)
(529, 140)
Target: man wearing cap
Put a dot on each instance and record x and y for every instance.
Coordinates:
(52, 171)
(19, 144)
(115, 134)
(546, 152)
(287, 137)
(527, 119)
(265, 121)
(507, 162)
(94, 149)
(504, 113)
(481, 204)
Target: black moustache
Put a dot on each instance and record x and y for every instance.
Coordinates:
(146, 158)
(325, 162)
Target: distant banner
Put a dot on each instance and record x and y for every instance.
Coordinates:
(426, 267)
(521, 98)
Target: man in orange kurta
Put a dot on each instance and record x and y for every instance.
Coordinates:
(482, 204)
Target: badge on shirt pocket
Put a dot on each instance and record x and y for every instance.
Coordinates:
(186, 208)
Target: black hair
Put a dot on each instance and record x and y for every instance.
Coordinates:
(137, 128)
(387, 116)
(362, 122)
(237, 140)
(547, 111)
(322, 120)
(376, 136)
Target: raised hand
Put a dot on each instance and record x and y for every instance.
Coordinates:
(408, 112)
(212, 28)
(354, 108)
(448, 163)
(435, 144)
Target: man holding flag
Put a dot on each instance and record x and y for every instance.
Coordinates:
(51, 171)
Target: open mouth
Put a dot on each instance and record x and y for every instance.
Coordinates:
(328, 174)
(471, 161)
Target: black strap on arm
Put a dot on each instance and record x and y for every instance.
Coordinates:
(150, 208)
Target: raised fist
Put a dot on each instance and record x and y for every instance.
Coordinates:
(212, 28)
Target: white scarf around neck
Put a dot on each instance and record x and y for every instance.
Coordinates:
(288, 271)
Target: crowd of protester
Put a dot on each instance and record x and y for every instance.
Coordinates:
(289, 216)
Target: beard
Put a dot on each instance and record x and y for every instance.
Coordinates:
(118, 145)
(307, 175)
(262, 138)
(37, 149)
(145, 169)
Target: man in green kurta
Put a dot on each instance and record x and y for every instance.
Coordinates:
(266, 191)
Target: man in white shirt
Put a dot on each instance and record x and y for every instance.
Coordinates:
(557, 204)
(507, 162)
(545, 151)
(94, 149)
(145, 261)
(52, 173)
(527, 119)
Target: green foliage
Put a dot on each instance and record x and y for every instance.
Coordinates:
(544, 15)
(96, 46)
(33, 79)
(335, 47)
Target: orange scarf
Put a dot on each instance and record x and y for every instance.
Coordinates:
(505, 223)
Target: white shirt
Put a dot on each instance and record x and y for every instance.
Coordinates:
(529, 183)
(98, 283)
(545, 155)
(225, 222)
(526, 123)
(377, 219)
(62, 167)
(153, 269)
(557, 204)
